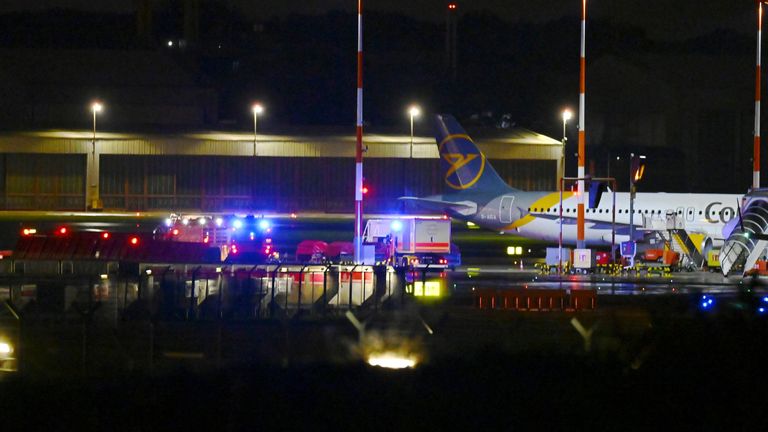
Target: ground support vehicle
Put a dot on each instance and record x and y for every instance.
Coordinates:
(654, 261)
(411, 242)
(555, 262)
(579, 261)
(713, 260)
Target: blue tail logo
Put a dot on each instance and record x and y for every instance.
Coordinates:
(462, 163)
(465, 164)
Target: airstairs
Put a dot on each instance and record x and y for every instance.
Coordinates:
(684, 244)
(747, 242)
(671, 230)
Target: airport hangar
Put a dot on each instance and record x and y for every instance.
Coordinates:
(232, 172)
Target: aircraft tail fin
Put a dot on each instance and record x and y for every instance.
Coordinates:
(462, 164)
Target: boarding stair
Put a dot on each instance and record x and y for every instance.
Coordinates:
(684, 244)
(670, 230)
(746, 243)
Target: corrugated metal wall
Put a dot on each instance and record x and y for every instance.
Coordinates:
(283, 184)
(42, 181)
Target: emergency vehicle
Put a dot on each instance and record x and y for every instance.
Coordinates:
(412, 242)
(240, 238)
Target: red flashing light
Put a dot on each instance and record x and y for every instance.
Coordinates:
(62, 231)
(175, 231)
(365, 190)
(105, 235)
(293, 216)
(205, 239)
(452, 6)
(233, 249)
(134, 241)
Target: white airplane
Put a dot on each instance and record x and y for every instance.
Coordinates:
(474, 192)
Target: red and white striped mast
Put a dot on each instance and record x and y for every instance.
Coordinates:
(582, 134)
(756, 150)
(358, 239)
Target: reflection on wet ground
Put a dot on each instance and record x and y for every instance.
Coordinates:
(681, 352)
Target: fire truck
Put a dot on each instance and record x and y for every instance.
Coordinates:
(240, 238)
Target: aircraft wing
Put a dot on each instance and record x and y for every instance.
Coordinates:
(466, 208)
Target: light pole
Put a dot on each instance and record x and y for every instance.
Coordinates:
(413, 111)
(257, 109)
(96, 107)
(567, 115)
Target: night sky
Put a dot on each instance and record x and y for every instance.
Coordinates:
(662, 19)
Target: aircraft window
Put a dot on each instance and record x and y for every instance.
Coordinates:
(699, 212)
(690, 211)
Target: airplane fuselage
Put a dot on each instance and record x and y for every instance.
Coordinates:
(538, 215)
(474, 191)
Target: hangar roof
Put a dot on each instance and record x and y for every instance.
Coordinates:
(504, 144)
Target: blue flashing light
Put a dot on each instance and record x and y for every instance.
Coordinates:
(263, 224)
(761, 310)
(396, 226)
(237, 223)
(707, 302)
(765, 299)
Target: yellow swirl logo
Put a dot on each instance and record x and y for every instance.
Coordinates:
(461, 167)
